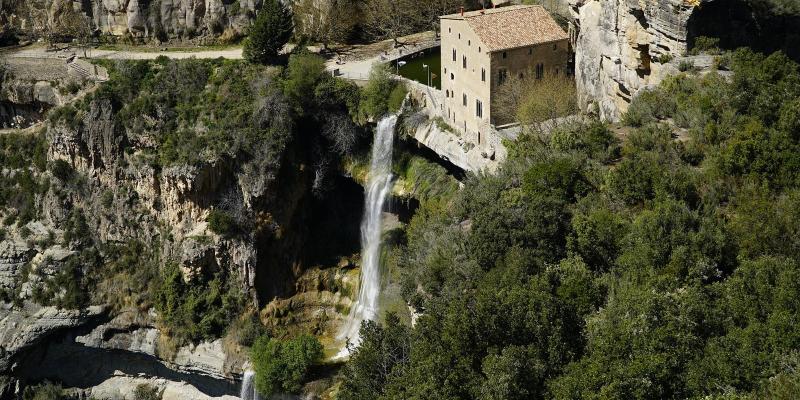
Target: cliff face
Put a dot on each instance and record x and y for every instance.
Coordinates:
(624, 46)
(159, 19)
(619, 46)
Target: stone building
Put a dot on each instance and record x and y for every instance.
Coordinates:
(482, 49)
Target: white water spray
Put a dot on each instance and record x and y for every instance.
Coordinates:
(249, 387)
(379, 185)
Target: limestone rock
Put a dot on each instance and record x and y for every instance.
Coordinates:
(13, 255)
(618, 44)
(148, 19)
(22, 329)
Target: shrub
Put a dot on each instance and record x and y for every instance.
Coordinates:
(43, 391)
(665, 58)
(271, 31)
(374, 97)
(301, 77)
(146, 392)
(282, 366)
(221, 223)
(61, 170)
(687, 66)
(396, 97)
(704, 44)
(200, 309)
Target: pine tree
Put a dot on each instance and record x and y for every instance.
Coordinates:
(271, 30)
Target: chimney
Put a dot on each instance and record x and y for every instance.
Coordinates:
(462, 11)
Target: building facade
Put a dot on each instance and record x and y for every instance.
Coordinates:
(482, 50)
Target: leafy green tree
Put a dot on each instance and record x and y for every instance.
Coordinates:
(282, 366)
(383, 354)
(269, 33)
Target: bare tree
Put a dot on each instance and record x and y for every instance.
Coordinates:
(537, 104)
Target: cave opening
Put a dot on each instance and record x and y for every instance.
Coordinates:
(737, 24)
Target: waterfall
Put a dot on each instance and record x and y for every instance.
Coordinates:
(379, 185)
(248, 391)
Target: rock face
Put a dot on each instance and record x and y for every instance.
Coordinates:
(23, 329)
(620, 46)
(150, 19)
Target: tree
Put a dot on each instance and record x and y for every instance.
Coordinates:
(536, 103)
(282, 366)
(271, 31)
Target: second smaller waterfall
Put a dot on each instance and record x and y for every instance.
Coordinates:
(248, 391)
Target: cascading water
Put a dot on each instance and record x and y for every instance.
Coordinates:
(378, 187)
(248, 391)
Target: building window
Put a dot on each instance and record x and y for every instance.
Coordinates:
(483, 74)
(452, 77)
(469, 42)
(478, 109)
(464, 62)
(454, 55)
(459, 36)
(539, 71)
(502, 76)
(464, 99)
(555, 47)
(479, 49)
(449, 30)
(530, 51)
(505, 54)
(556, 71)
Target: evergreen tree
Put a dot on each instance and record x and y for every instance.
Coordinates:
(271, 30)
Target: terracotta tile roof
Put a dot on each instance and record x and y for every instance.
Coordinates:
(511, 27)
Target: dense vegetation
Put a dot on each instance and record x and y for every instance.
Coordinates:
(283, 366)
(663, 265)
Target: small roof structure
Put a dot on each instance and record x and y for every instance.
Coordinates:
(512, 27)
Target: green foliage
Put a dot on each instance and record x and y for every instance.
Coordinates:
(665, 58)
(376, 94)
(199, 309)
(221, 223)
(703, 44)
(303, 74)
(76, 229)
(61, 170)
(271, 30)
(282, 366)
(43, 391)
(663, 268)
(146, 392)
(396, 98)
(383, 354)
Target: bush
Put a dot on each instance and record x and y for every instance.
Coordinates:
(200, 309)
(396, 98)
(282, 366)
(687, 66)
(376, 94)
(61, 170)
(146, 392)
(704, 44)
(304, 72)
(271, 31)
(665, 58)
(43, 391)
(221, 223)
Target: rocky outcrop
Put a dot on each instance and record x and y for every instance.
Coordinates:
(148, 19)
(22, 329)
(623, 46)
